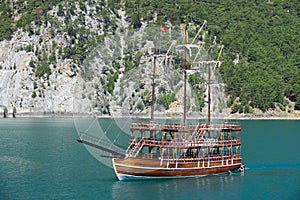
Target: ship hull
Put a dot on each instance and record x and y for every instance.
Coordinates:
(136, 168)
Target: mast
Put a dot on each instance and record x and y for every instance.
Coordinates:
(153, 83)
(185, 67)
(208, 84)
(184, 101)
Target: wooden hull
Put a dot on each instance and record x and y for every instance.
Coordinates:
(137, 168)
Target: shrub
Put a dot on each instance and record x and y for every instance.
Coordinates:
(234, 108)
(42, 68)
(166, 100)
(33, 94)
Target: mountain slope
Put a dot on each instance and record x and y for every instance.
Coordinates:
(66, 56)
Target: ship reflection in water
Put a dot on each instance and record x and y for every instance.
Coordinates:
(206, 187)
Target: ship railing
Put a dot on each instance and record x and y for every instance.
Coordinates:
(183, 128)
(145, 126)
(204, 158)
(215, 126)
(232, 125)
(157, 126)
(139, 147)
(190, 143)
(131, 145)
(135, 146)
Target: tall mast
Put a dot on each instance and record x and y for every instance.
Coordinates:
(184, 101)
(208, 85)
(153, 82)
(185, 66)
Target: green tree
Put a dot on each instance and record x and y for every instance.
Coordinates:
(43, 68)
(7, 26)
(147, 97)
(136, 22)
(166, 100)
(33, 95)
(197, 83)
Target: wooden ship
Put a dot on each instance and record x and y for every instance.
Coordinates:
(174, 150)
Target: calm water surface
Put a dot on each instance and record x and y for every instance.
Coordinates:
(40, 159)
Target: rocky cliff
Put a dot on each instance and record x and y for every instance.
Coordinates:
(81, 57)
(40, 68)
(84, 58)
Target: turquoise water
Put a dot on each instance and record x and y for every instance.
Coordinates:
(40, 159)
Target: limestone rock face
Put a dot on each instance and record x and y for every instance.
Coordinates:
(79, 59)
(36, 75)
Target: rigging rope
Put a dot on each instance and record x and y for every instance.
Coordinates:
(90, 125)
(119, 134)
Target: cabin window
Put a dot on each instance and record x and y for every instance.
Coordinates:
(233, 150)
(155, 150)
(189, 152)
(145, 149)
(136, 134)
(158, 135)
(216, 150)
(146, 135)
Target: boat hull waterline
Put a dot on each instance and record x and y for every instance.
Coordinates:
(133, 172)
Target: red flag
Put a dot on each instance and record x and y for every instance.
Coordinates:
(163, 29)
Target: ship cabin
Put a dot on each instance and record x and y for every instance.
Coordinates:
(192, 142)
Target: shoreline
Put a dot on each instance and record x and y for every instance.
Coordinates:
(262, 116)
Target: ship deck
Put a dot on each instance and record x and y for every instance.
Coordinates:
(175, 127)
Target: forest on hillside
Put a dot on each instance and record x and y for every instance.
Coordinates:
(262, 35)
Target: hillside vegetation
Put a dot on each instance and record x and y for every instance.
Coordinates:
(261, 56)
(262, 35)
